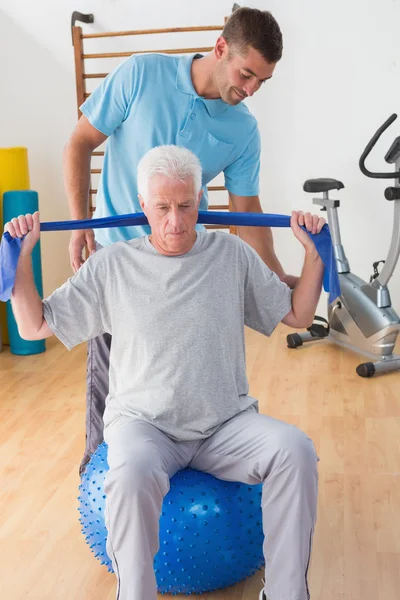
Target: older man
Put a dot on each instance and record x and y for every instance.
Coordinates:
(176, 303)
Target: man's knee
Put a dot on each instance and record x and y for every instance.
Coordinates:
(295, 449)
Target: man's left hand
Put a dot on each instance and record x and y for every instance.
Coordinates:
(312, 223)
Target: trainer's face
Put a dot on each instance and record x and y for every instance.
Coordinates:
(237, 76)
(171, 207)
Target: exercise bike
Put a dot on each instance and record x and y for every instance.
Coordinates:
(362, 318)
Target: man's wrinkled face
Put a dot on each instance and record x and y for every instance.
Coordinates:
(237, 77)
(171, 207)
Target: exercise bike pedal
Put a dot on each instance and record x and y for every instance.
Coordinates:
(316, 331)
(319, 331)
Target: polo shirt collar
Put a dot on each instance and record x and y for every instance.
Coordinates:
(184, 84)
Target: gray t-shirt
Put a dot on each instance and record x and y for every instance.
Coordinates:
(177, 323)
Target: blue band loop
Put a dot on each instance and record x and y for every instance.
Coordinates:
(10, 248)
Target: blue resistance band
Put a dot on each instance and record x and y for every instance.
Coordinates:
(10, 247)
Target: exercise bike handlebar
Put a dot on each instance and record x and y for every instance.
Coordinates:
(368, 149)
(390, 263)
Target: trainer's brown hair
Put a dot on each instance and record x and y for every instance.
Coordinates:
(258, 29)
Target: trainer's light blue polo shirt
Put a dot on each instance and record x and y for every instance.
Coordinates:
(149, 100)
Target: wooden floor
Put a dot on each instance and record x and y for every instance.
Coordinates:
(355, 424)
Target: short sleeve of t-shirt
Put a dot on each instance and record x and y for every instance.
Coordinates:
(74, 311)
(242, 176)
(107, 107)
(267, 300)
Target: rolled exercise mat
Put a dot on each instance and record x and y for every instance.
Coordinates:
(17, 203)
(14, 175)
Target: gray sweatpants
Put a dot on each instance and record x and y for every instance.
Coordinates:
(250, 448)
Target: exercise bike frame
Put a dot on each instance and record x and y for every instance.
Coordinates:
(362, 318)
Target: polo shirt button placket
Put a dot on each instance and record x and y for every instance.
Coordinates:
(191, 116)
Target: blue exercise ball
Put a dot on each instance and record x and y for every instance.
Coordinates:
(210, 530)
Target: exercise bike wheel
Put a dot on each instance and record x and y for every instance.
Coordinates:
(293, 340)
(366, 369)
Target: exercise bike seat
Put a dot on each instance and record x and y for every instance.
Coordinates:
(322, 185)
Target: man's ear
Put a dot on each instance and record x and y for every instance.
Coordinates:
(221, 48)
(142, 204)
(199, 197)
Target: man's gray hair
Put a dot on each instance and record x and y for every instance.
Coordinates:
(173, 161)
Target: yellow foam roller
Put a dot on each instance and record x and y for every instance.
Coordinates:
(14, 175)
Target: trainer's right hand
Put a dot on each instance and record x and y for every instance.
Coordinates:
(80, 239)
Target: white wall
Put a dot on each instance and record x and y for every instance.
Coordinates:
(338, 81)
(37, 110)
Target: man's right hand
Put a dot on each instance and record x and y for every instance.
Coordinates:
(26, 227)
(80, 239)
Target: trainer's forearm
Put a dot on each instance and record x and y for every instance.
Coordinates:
(307, 291)
(76, 170)
(26, 302)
